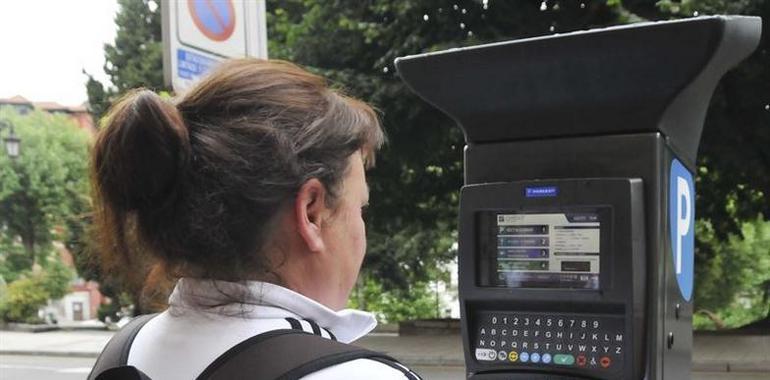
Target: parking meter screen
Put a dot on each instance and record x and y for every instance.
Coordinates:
(548, 250)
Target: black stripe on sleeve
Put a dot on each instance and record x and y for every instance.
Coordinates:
(331, 335)
(295, 325)
(314, 326)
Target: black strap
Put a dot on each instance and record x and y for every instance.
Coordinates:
(115, 354)
(314, 326)
(125, 372)
(398, 366)
(291, 354)
(294, 324)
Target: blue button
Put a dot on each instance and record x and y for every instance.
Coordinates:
(546, 358)
(524, 357)
(535, 357)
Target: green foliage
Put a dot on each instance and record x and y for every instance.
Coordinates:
(414, 187)
(733, 162)
(25, 297)
(56, 279)
(40, 189)
(409, 255)
(732, 277)
(116, 307)
(733, 179)
(98, 98)
(706, 7)
(3, 296)
(389, 306)
(21, 299)
(737, 314)
(134, 59)
(13, 259)
(108, 310)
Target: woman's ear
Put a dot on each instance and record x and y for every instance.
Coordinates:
(310, 210)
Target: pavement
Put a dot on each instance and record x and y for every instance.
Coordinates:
(712, 353)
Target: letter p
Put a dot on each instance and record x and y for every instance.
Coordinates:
(683, 215)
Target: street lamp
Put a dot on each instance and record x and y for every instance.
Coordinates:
(12, 142)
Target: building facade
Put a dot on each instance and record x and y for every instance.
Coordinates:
(78, 114)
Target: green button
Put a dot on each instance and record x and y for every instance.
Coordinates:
(562, 359)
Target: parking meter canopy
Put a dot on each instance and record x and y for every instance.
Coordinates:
(655, 76)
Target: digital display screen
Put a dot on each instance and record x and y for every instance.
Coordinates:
(548, 250)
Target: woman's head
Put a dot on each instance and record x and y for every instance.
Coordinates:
(205, 185)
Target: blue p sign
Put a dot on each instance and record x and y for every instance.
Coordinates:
(681, 211)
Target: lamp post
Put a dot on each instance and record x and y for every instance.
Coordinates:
(12, 142)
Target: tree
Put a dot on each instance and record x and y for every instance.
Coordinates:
(417, 301)
(40, 189)
(98, 98)
(39, 192)
(732, 288)
(22, 299)
(415, 185)
(734, 166)
(134, 59)
(414, 190)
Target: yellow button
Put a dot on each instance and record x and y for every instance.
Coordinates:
(513, 356)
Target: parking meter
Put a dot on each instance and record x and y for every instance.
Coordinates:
(577, 214)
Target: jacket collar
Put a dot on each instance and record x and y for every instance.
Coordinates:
(257, 300)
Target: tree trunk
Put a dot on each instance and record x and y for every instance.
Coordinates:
(29, 249)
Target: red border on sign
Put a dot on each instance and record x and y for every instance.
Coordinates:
(214, 36)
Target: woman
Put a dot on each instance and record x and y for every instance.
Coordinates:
(251, 190)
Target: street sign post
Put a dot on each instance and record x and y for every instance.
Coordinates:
(198, 34)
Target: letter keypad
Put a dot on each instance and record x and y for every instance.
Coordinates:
(550, 339)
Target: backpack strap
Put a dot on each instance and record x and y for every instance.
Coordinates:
(408, 373)
(291, 354)
(115, 354)
(125, 372)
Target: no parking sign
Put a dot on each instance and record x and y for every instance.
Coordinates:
(216, 20)
(197, 34)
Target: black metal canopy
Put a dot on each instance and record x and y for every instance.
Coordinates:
(654, 76)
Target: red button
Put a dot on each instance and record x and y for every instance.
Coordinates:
(581, 360)
(605, 361)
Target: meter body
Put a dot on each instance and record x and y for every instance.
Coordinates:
(550, 289)
(577, 214)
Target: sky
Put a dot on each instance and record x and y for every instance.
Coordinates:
(46, 44)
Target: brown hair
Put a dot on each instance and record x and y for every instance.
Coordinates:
(196, 184)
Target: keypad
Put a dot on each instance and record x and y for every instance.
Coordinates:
(560, 340)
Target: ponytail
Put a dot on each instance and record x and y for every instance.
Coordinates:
(141, 155)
